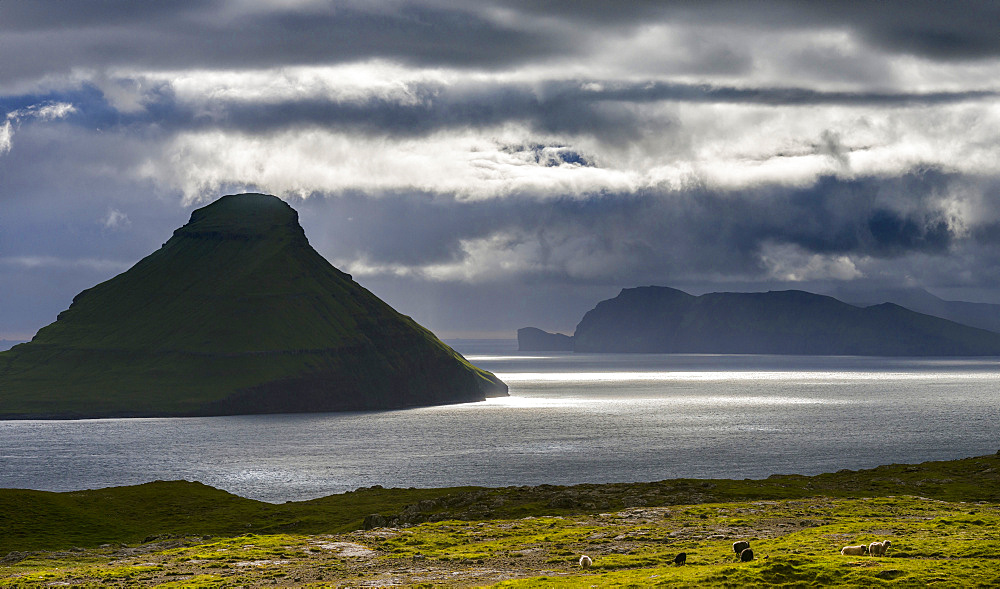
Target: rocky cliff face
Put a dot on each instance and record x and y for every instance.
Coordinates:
(235, 314)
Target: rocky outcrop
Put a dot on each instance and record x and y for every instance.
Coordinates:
(532, 339)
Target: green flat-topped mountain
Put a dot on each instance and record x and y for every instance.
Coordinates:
(235, 314)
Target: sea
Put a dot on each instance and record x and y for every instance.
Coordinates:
(570, 418)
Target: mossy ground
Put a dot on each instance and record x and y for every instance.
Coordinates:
(947, 537)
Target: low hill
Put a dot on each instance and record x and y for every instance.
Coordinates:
(656, 319)
(235, 314)
(532, 339)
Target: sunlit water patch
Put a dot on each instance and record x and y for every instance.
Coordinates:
(569, 419)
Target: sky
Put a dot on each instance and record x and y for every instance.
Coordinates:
(483, 166)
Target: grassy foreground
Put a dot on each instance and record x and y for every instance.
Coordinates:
(942, 518)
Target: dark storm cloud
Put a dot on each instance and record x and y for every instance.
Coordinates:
(936, 30)
(55, 37)
(960, 29)
(705, 93)
(52, 37)
(635, 238)
(558, 106)
(892, 231)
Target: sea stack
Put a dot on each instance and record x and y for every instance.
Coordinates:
(235, 314)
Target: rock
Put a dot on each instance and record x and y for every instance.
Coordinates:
(14, 557)
(374, 521)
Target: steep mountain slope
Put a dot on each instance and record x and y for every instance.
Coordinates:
(981, 315)
(665, 320)
(235, 314)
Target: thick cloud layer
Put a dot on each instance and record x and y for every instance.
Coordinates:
(488, 165)
(490, 35)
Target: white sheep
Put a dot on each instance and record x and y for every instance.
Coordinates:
(879, 548)
(854, 550)
(585, 562)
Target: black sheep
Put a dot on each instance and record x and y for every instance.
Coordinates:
(680, 558)
(740, 546)
(746, 555)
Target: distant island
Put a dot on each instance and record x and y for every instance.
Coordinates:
(532, 339)
(235, 314)
(656, 319)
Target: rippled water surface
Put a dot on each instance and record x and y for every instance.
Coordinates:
(569, 419)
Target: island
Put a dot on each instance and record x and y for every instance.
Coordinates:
(235, 314)
(657, 319)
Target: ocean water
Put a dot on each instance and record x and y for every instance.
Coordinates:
(571, 418)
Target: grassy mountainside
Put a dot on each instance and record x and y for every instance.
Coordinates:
(940, 516)
(236, 313)
(665, 320)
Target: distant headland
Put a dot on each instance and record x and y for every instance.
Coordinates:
(656, 319)
(235, 314)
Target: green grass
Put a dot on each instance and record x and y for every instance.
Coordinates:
(39, 520)
(796, 543)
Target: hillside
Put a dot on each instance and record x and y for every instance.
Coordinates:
(235, 314)
(981, 315)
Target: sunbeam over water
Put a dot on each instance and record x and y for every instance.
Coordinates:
(569, 419)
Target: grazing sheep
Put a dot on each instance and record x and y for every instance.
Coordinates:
(680, 558)
(740, 546)
(746, 555)
(879, 548)
(585, 562)
(854, 550)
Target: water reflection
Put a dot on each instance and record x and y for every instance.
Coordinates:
(568, 420)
